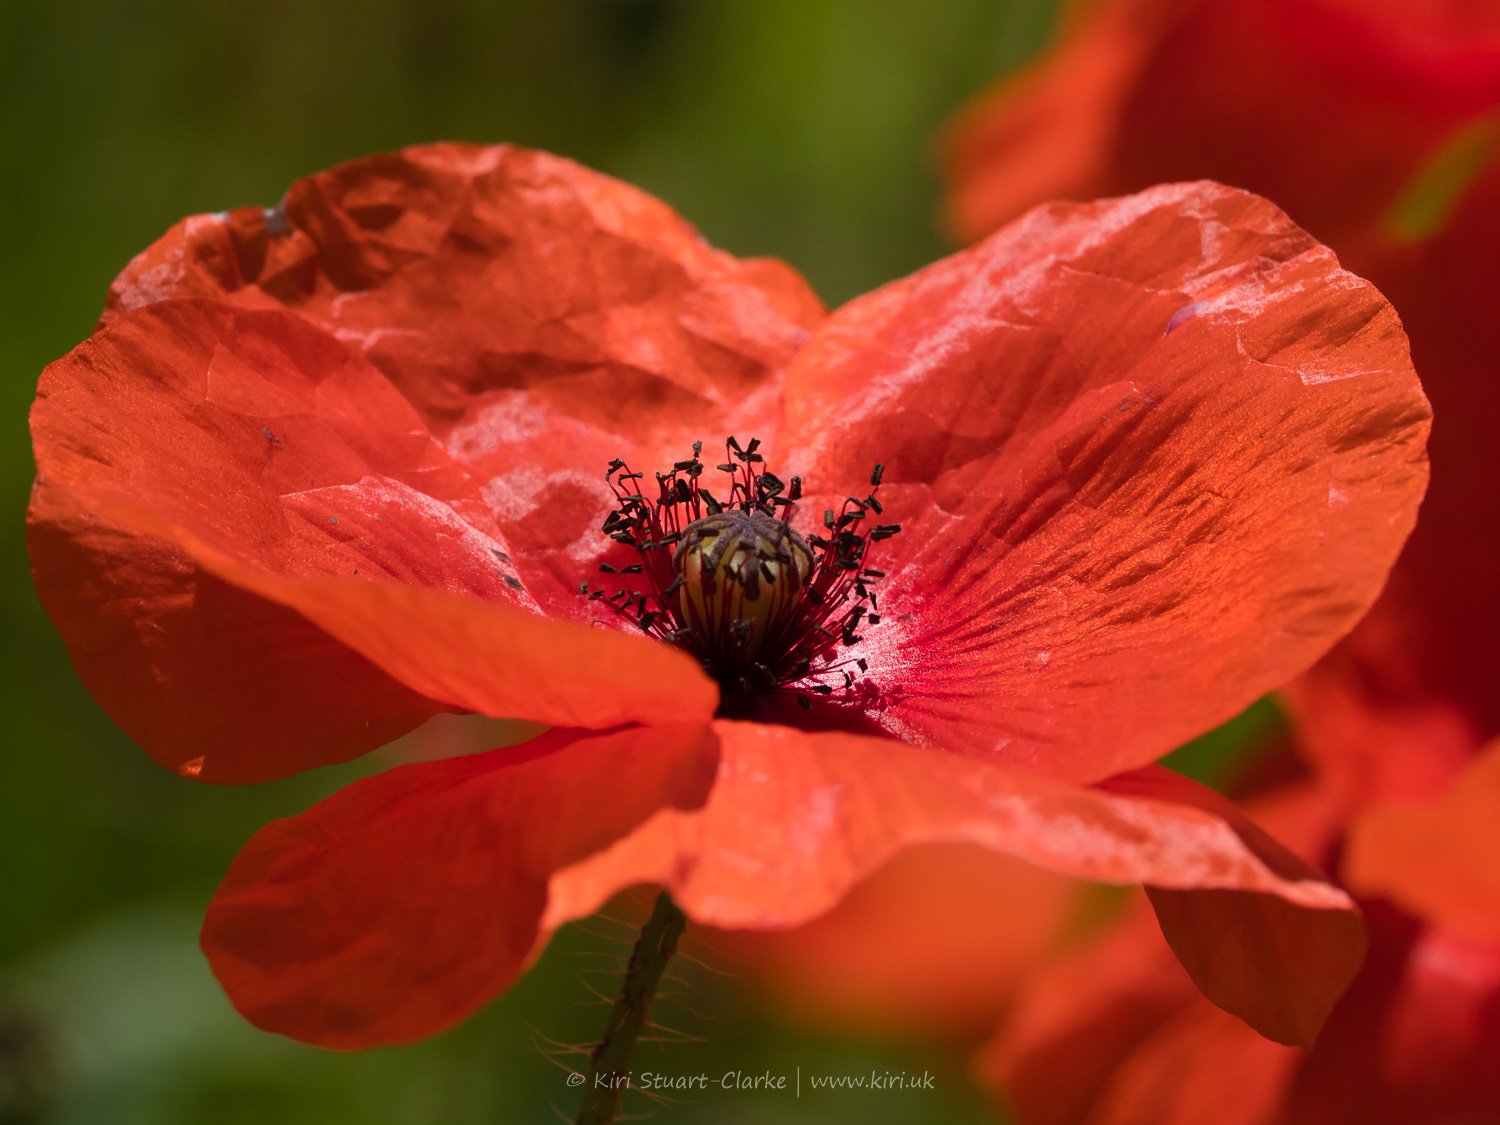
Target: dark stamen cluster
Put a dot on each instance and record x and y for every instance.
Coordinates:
(728, 579)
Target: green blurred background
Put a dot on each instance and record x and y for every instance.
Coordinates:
(803, 129)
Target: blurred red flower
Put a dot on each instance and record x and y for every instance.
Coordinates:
(1338, 104)
(1115, 1032)
(328, 470)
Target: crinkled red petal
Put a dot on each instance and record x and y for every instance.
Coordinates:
(542, 318)
(386, 912)
(213, 681)
(1167, 450)
(191, 444)
(1394, 167)
(405, 901)
(796, 819)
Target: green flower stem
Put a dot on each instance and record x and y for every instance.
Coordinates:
(609, 1073)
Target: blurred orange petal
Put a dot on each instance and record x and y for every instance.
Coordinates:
(1439, 860)
(930, 946)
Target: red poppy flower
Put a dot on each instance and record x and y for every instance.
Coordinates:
(327, 470)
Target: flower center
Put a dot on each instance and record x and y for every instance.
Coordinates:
(763, 608)
(742, 573)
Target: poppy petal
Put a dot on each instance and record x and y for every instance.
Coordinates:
(376, 917)
(1098, 1035)
(1199, 1066)
(1119, 1018)
(1412, 1039)
(1396, 170)
(396, 907)
(1279, 968)
(1169, 452)
(543, 319)
(187, 663)
(1113, 1034)
(1441, 859)
(796, 819)
(1076, 1018)
(192, 437)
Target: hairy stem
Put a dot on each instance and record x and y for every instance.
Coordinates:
(609, 1065)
